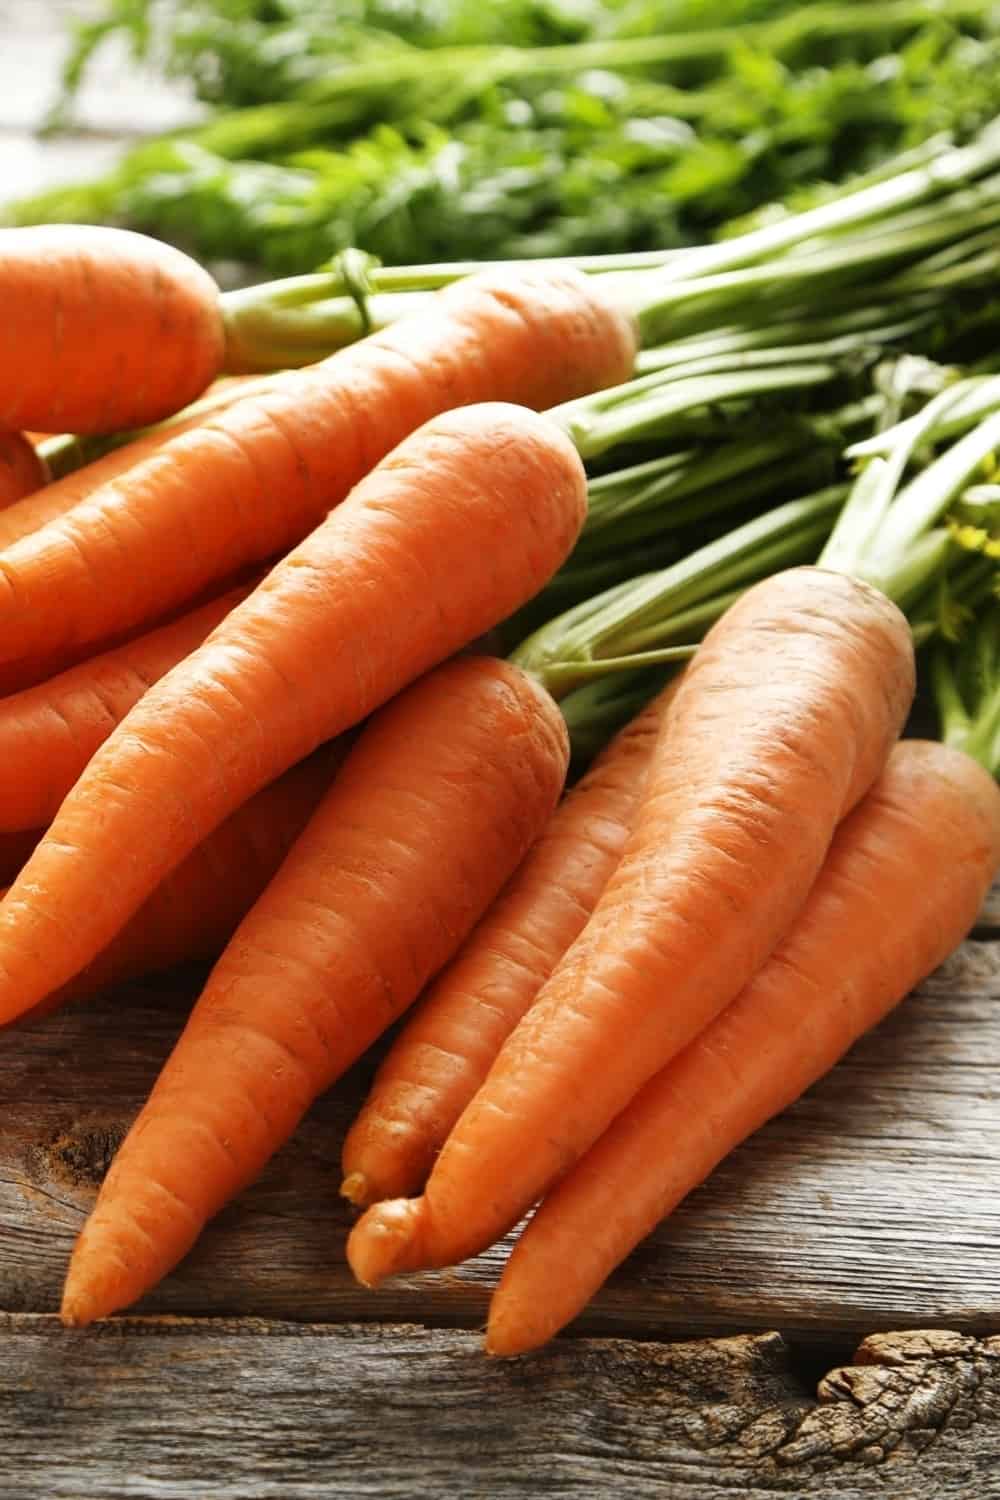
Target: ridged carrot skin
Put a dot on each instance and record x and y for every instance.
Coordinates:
(432, 810)
(872, 928)
(780, 724)
(446, 1048)
(195, 911)
(49, 733)
(253, 481)
(21, 470)
(101, 328)
(446, 537)
(44, 505)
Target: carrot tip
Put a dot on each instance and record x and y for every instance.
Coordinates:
(356, 1189)
(386, 1240)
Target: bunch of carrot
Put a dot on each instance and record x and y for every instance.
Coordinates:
(242, 720)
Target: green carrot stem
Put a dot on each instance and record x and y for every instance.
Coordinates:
(628, 622)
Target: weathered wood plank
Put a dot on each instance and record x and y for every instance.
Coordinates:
(276, 1410)
(871, 1204)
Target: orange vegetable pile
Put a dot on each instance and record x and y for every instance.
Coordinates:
(242, 724)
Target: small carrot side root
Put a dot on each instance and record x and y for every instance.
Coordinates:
(872, 928)
(442, 540)
(260, 476)
(448, 1045)
(439, 799)
(49, 733)
(21, 470)
(195, 911)
(101, 329)
(780, 724)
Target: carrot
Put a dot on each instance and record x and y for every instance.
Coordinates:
(447, 536)
(780, 724)
(432, 810)
(447, 1046)
(21, 469)
(62, 494)
(195, 911)
(101, 328)
(48, 733)
(872, 927)
(258, 477)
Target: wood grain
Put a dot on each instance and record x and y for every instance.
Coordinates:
(870, 1205)
(277, 1410)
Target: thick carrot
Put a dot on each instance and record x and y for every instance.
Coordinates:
(448, 1045)
(49, 733)
(432, 810)
(21, 469)
(197, 908)
(101, 328)
(44, 505)
(872, 928)
(257, 478)
(780, 724)
(446, 537)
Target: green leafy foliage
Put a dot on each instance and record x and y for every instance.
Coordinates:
(424, 129)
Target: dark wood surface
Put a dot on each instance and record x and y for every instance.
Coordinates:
(869, 1208)
(871, 1204)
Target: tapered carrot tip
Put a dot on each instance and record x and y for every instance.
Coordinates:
(387, 1240)
(356, 1189)
(78, 1309)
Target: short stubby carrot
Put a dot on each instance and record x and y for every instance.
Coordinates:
(450, 534)
(447, 1046)
(44, 505)
(101, 328)
(874, 926)
(21, 470)
(48, 733)
(433, 808)
(254, 480)
(194, 912)
(781, 722)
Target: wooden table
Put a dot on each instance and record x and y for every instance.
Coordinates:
(820, 1319)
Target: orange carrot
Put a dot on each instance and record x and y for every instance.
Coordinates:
(198, 907)
(872, 928)
(61, 495)
(49, 733)
(101, 328)
(780, 724)
(21, 469)
(432, 810)
(448, 1045)
(257, 478)
(447, 536)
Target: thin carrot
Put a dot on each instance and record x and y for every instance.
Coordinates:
(448, 1045)
(49, 733)
(101, 328)
(21, 469)
(443, 539)
(872, 928)
(432, 810)
(780, 724)
(80, 481)
(257, 478)
(195, 911)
